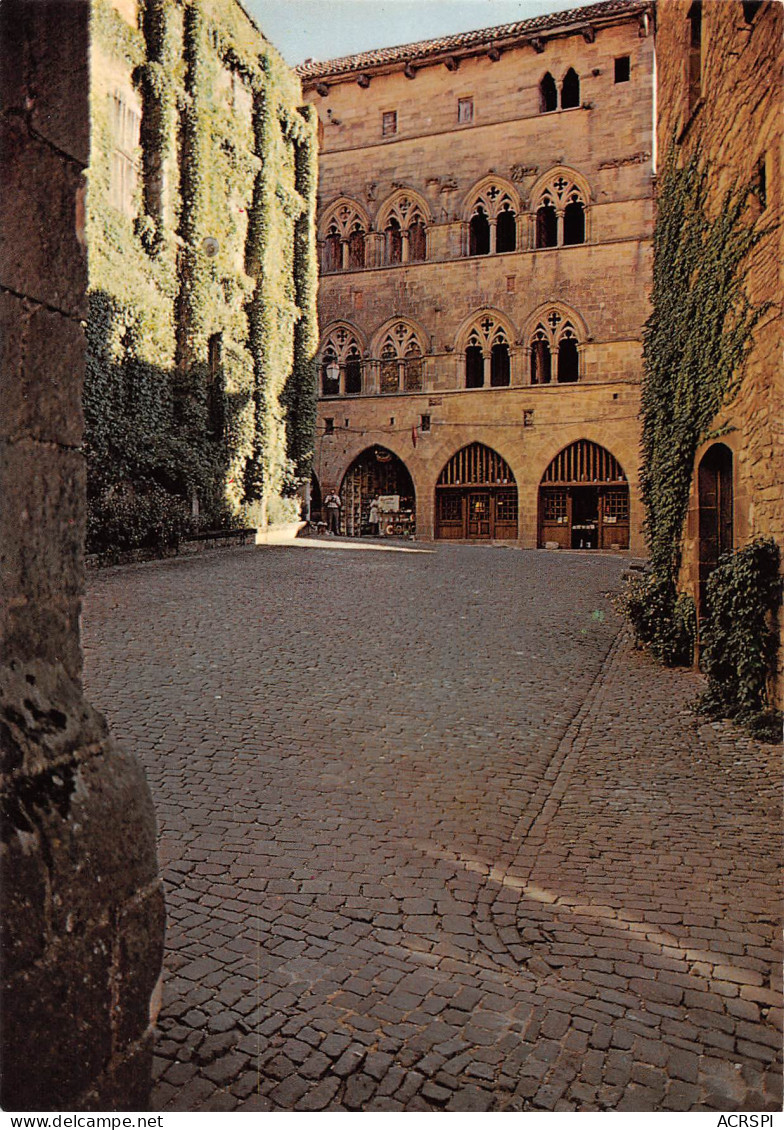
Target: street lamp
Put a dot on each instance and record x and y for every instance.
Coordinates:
(333, 371)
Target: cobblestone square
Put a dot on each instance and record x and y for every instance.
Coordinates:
(436, 837)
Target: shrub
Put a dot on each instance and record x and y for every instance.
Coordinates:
(136, 516)
(738, 639)
(662, 620)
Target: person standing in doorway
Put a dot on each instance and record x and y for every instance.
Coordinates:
(373, 518)
(332, 505)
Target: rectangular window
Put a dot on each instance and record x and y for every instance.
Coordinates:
(465, 109)
(388, 123)
(555, 506)
(622, 69)
(424, 423)
(125, 123)
(329, 426)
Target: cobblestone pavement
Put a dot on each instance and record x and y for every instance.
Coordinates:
(435, 837)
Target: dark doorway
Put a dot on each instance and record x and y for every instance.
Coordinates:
(585, 517)
(714, 478)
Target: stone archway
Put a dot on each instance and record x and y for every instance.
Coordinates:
(377, 473)
(476, 497)
(584, 500)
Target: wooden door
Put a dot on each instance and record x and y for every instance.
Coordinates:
(450, 517)
(714, 481)
(479, 514)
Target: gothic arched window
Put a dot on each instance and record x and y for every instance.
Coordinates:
(479, 242)
(560, 211)
(487, 354)
(344, 243)
(353, 372)
(412, 366)
(548, 94)
(394, 242)
(417, 242)
(555, 336)
(401, 360)
(505, 230)
(574, 221)
(356, 248)
(570, 90)
(341, 364)
(541, 360)
(330, 372)
(500, 369)
(546, 224)
(568, 358)
(332, 250)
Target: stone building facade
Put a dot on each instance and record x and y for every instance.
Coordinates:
(732, 113)
(200, 390)
(484, 225)
(82, 905)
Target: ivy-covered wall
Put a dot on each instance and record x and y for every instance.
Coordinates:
(202, 331)
(712, 371)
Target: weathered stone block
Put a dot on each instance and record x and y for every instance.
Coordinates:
(103, 851)
(61, 1007)
(41, 346)
(40, 252)
(43, 76)
(24, 886)
(141, 930)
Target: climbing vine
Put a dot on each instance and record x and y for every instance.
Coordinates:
(738, 638)
(195, 307)
(694, 345)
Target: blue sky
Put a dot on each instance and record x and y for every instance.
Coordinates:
(324, 29)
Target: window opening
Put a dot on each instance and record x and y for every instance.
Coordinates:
(388, 123)
(505, 230)
(480, 233)
(390, 380)
(332, 250)
(424, 423)
(570, 90)
(330, 373)
(126, 123)
(541, 362)
(546, 225)
(500, 373)
(574, 223)
(568, 360)
(353, 373)
(417, 242)
(329, 426)
(622, 69)
(548, 94)
(394, 242)
(465, 110)
(356, 248)
(412, 381)
(475, 367)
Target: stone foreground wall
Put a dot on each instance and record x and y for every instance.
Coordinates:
(82, 905)
(737, 126)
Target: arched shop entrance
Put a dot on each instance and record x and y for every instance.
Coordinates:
(476, 497)
(584, 500)
(378, 473)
